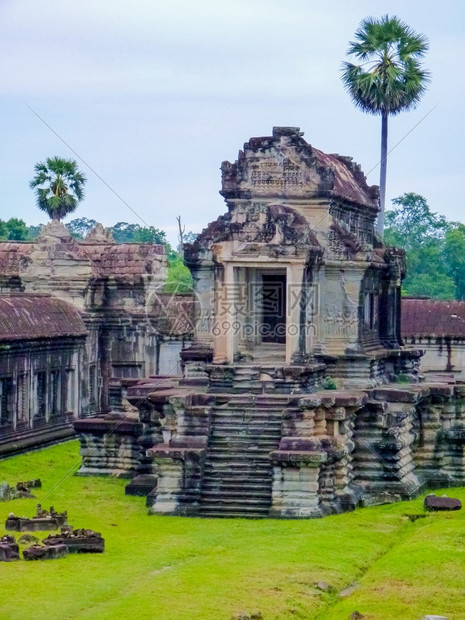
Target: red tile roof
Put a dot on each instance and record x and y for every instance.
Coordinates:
(427, 317)
(349, 181)
(30, 317)
(124, 260)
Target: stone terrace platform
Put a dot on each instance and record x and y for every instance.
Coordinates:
(290, 452)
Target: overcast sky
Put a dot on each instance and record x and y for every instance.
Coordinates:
(155, 95)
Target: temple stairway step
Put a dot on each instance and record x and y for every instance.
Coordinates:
(255, 487)
(237, 473)
(235, 497)
(229, 513)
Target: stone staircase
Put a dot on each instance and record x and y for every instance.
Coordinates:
(238, 476)
(247, 379)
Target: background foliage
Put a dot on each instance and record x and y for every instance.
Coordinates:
(179, 278)
(435, 248)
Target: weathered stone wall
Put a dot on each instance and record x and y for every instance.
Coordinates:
(115, 287)
(337, 449)
(442, 354)
(438, 328)
(42, 370)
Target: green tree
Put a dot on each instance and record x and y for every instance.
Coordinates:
(17, 229)
(412, 225)
(13, 229)
(454, 252)
(59, 186)
(123, 232)
(150, 234)
(389, 79)
(179, 278)
(80, 227)
(33, 231)
(134, 233)
(411, 222)
(3, 231)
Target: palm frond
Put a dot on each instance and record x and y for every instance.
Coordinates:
(394, 79)
(59, 186)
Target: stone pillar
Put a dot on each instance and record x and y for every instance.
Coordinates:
(242, 311)
(295, 273)
(311, 309)
(179, 473)
(452, 445)
(225, 316)
(105, 367)
(204, 278)
(385, 449)
(296, 483)
(109, 446)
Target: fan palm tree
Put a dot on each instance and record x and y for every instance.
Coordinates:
(390, 78)
(59, 186)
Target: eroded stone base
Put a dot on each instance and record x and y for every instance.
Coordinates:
(281, 454)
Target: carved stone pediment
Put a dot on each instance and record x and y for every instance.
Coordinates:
(259, 227)
(282, 194)
(284, 164)
(342, 245)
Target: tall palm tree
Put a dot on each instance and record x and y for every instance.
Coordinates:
(390, 78)
(59, 186)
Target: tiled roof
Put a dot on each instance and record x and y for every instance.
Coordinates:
(349, 181)
(427, 317)
(105, 259)
(120, 260)
(31, 317)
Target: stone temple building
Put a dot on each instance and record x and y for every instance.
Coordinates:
(298, 398)
(438, 328)
(293, 272)
(41, 370)
(93, 310)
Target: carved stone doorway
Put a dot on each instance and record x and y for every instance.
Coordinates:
(273, 308)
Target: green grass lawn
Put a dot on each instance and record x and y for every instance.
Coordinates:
(172, 568)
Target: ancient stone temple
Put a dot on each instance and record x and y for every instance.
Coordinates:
(298, 398)
(111, 285)
(437, 327)
(292, 273)
(115, 290)
(42, 370)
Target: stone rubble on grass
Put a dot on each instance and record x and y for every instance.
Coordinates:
(323, 586)
(44, 520)
(54, 546)
(20, 491)
(77, 540)
(45, 552)
(349, 590)
(9, 549)
(434, 503)
(28, 538)
(414, 517)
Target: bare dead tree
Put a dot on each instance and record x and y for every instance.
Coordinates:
(182, 230)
